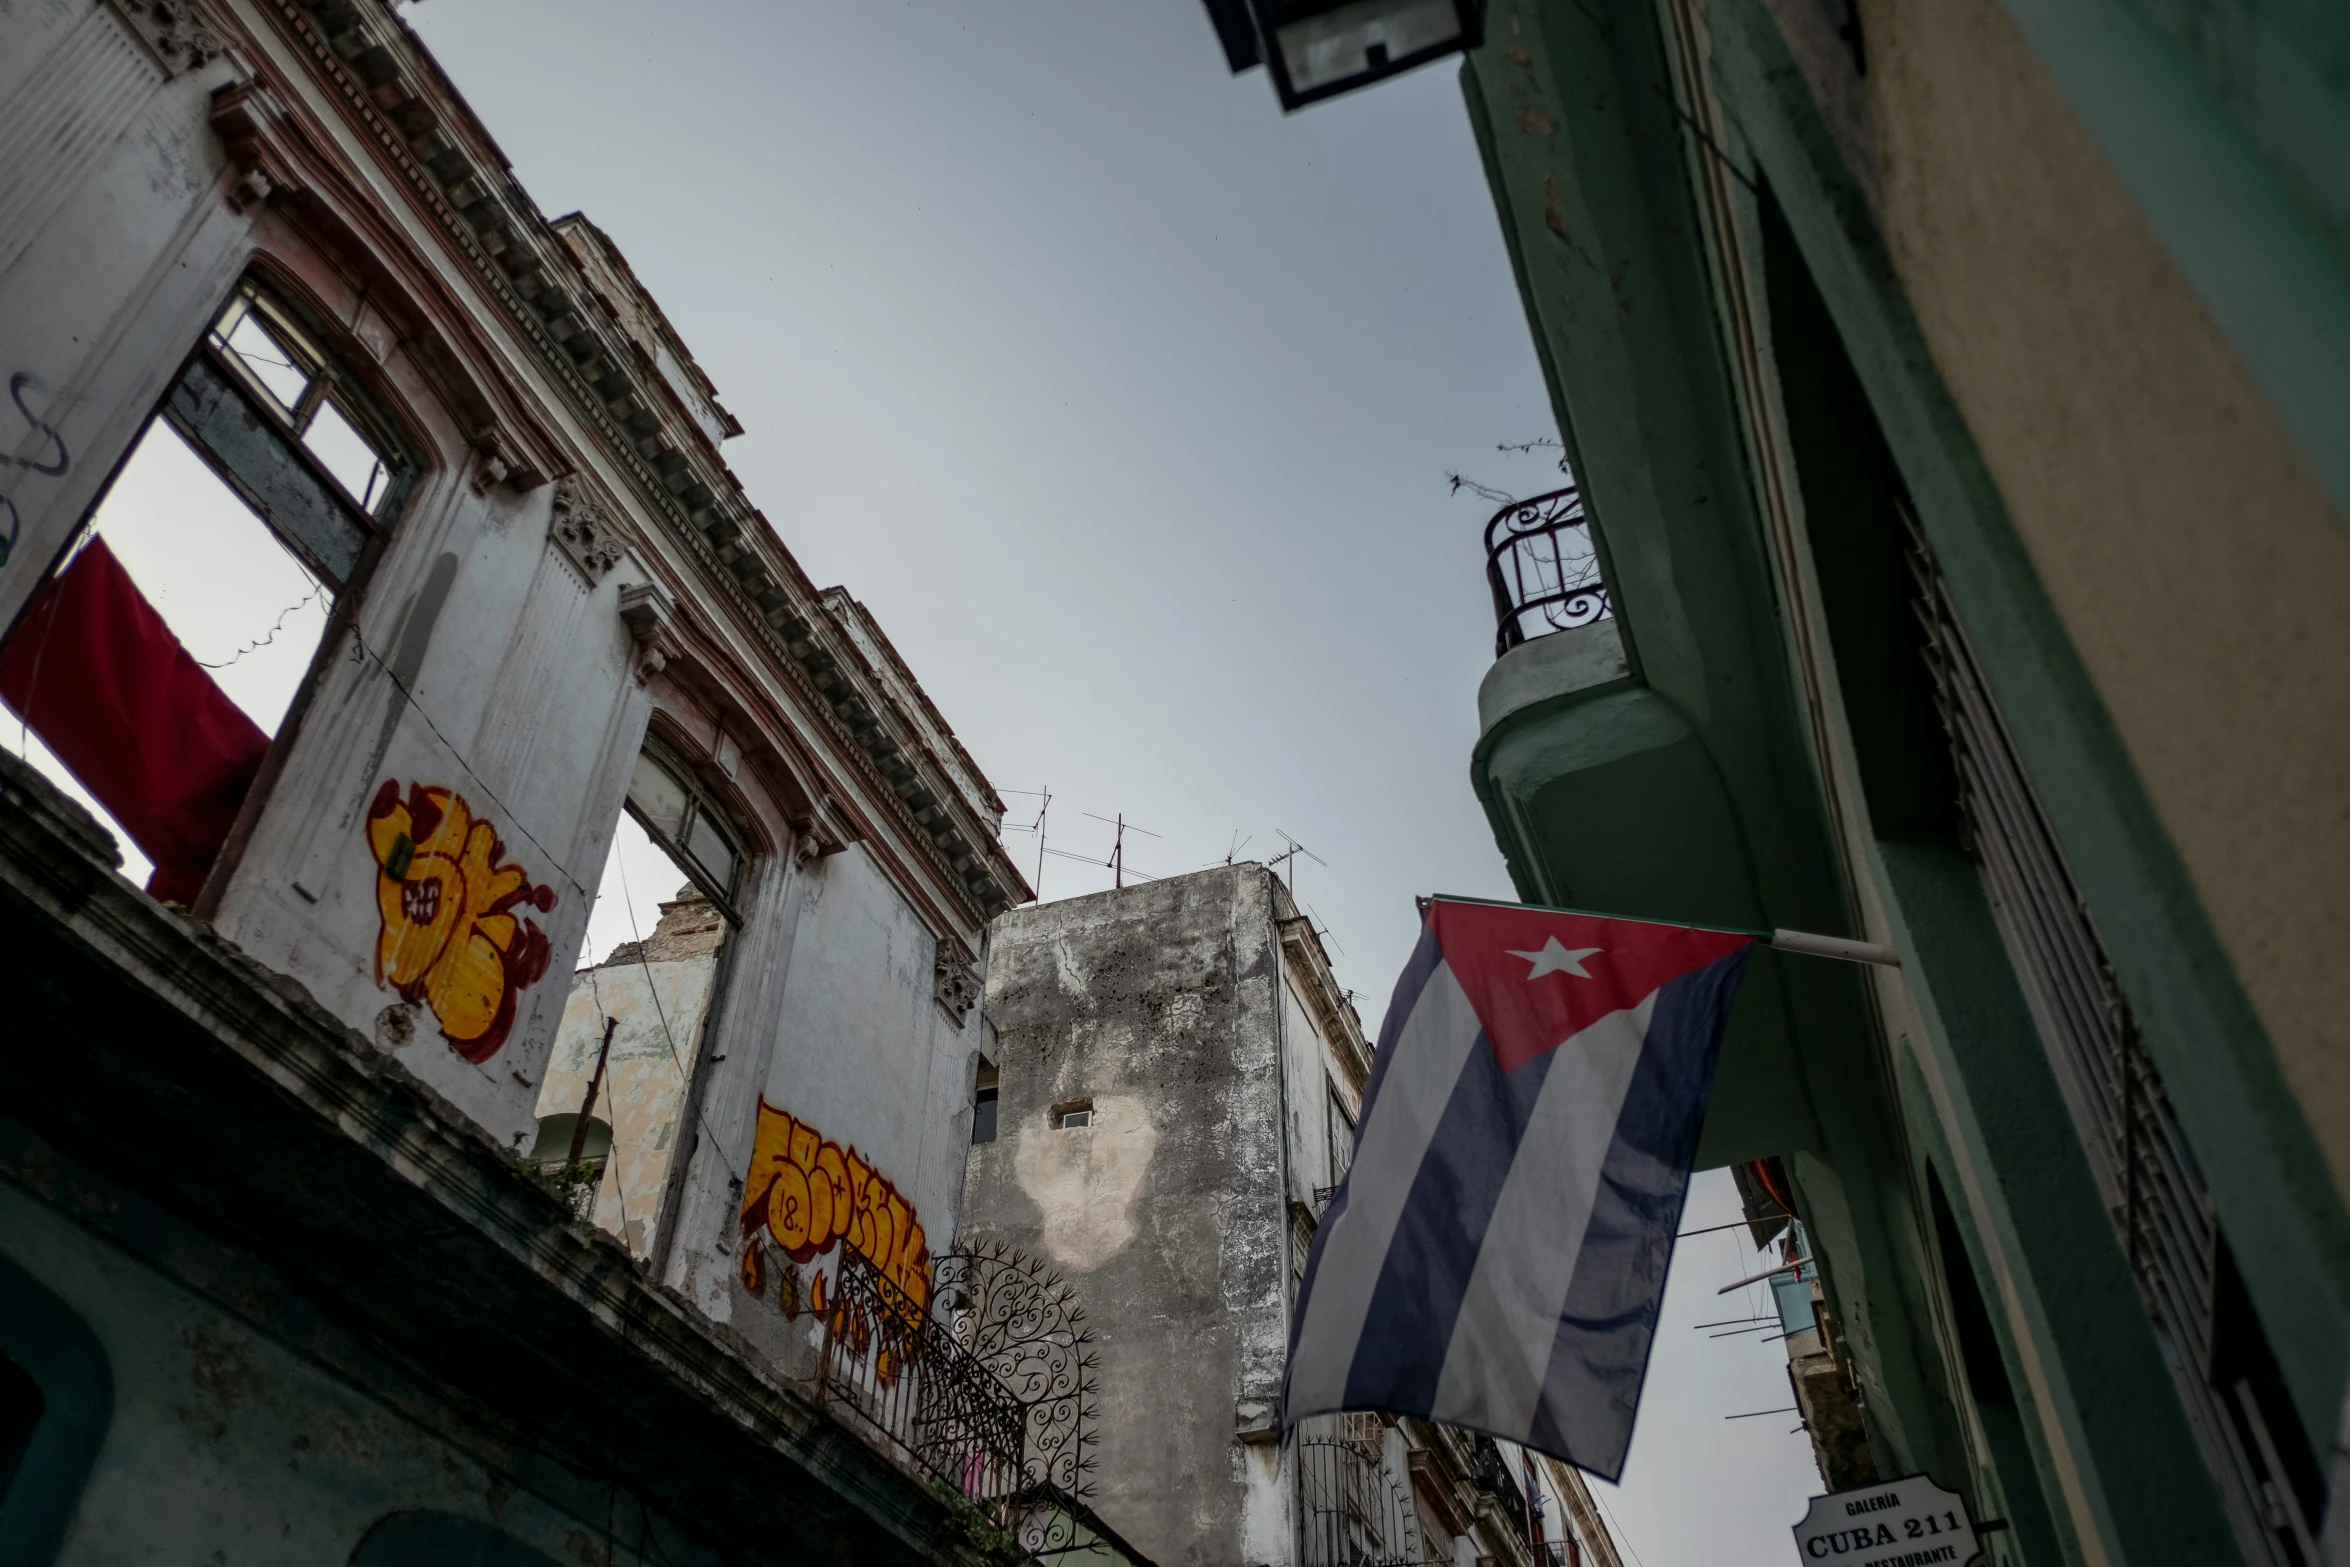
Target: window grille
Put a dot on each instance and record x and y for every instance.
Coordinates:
(2144, 1168)
(1352, 1512)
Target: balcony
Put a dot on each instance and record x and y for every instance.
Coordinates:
(1603, 789)
(1543, 569)
(989, 1397)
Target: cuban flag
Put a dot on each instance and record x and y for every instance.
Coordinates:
(1496, 1255)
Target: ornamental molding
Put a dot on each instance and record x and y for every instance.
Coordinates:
(954, 983)
(585, 530)
(651, 617)
(174, 31)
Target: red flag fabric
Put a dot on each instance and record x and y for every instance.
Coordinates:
(1538, 977)
(100, 678)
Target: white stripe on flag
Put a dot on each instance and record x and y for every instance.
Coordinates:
(1499, 1358)
(1429, 1052)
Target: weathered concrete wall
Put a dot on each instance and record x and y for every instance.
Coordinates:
(1160, 1004)
(225, 1444)
(868, 1061)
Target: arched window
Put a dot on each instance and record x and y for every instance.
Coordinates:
(172, 643)
(625, 1074)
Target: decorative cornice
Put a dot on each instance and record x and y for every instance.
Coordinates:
(375, 64)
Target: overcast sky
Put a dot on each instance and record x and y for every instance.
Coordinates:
(1126, 405)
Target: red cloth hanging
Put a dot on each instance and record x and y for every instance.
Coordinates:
(95, 672)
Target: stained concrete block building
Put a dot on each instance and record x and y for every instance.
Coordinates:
(1171, 1102)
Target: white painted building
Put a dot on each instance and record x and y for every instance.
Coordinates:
(280, 329)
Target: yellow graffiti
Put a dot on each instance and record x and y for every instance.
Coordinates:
(810, 1195)
(444, 894)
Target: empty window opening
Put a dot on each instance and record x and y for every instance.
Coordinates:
(166, 649)
(629, 1054)
(1073, 1113)
(983, 1106)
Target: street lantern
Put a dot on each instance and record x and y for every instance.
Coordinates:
(1316, 49)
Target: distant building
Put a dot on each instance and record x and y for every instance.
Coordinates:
(1171, 1103)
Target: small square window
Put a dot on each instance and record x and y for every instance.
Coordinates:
(1071, 1118)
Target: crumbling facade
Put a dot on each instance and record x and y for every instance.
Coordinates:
(273, 308)
(1172, 1102)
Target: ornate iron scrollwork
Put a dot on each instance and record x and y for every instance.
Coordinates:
(1019, 1319)
(1543, 568)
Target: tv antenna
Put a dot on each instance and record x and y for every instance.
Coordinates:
(1288, 858)
(1117, 861)
(1037, 827)
(1238, 843)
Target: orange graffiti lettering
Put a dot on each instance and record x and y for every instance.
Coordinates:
(811, 1195)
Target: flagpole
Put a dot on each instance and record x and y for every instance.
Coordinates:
(1842, 948)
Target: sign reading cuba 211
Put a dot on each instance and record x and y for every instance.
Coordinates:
(1910, 1522)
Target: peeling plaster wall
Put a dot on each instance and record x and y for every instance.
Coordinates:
(1161, 1005)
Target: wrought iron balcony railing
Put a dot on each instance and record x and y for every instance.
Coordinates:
(905, 1380)
(1543, 569)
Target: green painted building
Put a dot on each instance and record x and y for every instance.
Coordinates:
(1958, 396)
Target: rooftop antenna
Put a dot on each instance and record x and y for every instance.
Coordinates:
(1036, 827)
(1324, 932)
(1288, 858)
(1238, 843)
(1118, 846)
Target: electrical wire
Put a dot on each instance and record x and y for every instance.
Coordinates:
(628, 902)
(505, 811)
(316, 588)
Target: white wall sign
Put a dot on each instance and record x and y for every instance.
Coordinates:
(1910, 1522)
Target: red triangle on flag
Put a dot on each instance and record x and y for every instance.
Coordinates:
(1538, 977)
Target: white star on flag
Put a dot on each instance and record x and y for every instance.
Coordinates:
(1557, 959)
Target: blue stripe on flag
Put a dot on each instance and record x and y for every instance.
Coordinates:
(1425, 959)
(1399, 1359)
(1607, 1328)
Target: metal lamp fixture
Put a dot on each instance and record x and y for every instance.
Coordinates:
(1316, 49)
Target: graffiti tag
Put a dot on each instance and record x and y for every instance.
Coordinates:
(16, 385)
(811, 1195)
(446, 896)
(10, 523)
